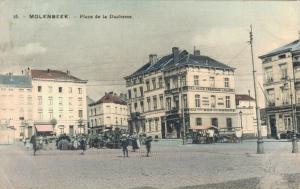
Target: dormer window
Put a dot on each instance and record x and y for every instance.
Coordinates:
(281, 56)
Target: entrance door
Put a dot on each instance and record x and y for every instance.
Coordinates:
(163, 130)
(71, 130)
(273, 126)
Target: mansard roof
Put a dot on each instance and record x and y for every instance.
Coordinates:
(184, 59)
(19, 81)
(110, 98)
(54, 75)
(291, 47)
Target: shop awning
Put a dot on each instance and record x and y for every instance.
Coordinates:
(44, 128)
(203, 127)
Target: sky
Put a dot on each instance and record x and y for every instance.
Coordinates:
(103, 51)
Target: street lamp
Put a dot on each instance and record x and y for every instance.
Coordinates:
(241, 117)
(294, 137)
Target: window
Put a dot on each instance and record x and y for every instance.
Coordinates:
(198, 121)
(70, 89)
(149, 104)
(79, 90)
(213, 101)
(268, 75)
(168, 86)
(175, 82)
(142, 106)
(148, 85)
(160, 82)
(211, 81)
(214, 122)
(283, 71)
(50, 114)
(271, 96)
(169, 105)
(226, 82)
(130, 109)
(185, 105)
(176, 102)
(40, 100)
(154, 103)
(183, 81)
(40, 115)
(135, 107)
(141, 91)
(135, 92)
(60, 114)
(197, 101)
(196, 80)
(154, 83)
(285, 96)
(129, 94)
(156, 125)
(60, 89)
(281, 56)
(161, 101)
(80, 113)
(229, 124)
(39, 88)
(50, 101)
(60, 101)
(149, 125)
(227, 101)
(50, 89)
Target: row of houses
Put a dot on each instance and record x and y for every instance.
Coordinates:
(48, 101)
(168, 94)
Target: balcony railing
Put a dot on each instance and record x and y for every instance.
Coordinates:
(208, 110)
(173, 111)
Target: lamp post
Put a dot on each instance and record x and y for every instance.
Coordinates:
(294, 138)
(182, 109)
(241, 117)
(260, 147)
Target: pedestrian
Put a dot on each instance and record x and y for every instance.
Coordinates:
(148, 141)
(134, 142)
(33, 142)
(82, 145)
(124, 144)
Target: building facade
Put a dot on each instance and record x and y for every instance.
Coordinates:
(59, 102)
(245, 106)
(16, 101)
(109, 112)
(281, 68)
(181, 90)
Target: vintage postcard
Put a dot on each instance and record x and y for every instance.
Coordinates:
(149, 94)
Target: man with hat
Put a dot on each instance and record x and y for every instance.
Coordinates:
(124, 144)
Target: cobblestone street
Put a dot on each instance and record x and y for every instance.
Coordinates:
(171, 165)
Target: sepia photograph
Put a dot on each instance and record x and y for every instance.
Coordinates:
(149, 94)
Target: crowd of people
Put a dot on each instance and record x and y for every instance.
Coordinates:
(112, 139)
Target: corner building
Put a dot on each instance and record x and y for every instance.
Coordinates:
(281, 68)
(59, 101)
(181, 89)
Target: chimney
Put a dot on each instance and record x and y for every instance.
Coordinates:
(175, 51)
(152, 58)
(299, 34)
(68, 72)
(196, 52)
(48, 70)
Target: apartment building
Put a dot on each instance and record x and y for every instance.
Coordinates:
(281, 68)
(109, 112)
(16, 105)
(181, 89)
(59, 102)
